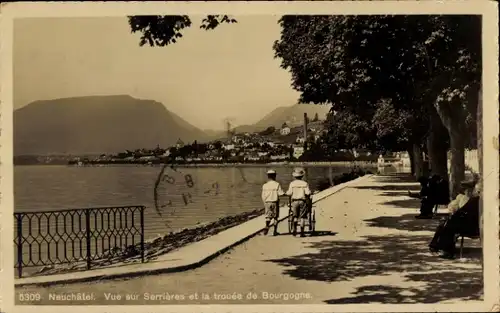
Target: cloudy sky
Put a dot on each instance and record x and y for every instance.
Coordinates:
(205, 77)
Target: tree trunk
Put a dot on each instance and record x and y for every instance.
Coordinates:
(457, 159)
(437, 146)
(412, 161)
(418, 159)
(453, 118)
(479, 121)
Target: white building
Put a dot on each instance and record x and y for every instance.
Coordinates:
(237, 139)
(278, 157)
(298, 152)
(252, 158)
(285, 131)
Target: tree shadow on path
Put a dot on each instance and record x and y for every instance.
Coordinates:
(410, 203)
(466, 288)
(397, 194)
(404, 188)
(406, 222)
(317, 233)
(396, 178)
(407, 256)
(321, 233)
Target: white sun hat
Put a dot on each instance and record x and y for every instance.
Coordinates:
(298, 172)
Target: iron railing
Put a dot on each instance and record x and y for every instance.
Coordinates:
(79, 235)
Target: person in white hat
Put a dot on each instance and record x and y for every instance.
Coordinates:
(271, 191)
(299, 193)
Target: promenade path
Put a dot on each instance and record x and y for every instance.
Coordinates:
(369, 249)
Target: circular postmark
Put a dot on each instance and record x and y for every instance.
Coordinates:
(185, 192)
(176, 190)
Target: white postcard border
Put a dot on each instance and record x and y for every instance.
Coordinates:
(487, 9)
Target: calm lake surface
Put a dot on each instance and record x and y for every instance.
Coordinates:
(214, 193)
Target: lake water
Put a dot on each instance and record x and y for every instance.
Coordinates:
(215, 192)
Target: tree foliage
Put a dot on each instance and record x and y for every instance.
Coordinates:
(357, 60)
(346, 129)
(268, 131)
(384, 74)
(162, 30)
(354, 61)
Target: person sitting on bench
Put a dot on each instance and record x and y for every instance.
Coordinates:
(439, 191)
(426, 203)
(463, 219)
(434, 192)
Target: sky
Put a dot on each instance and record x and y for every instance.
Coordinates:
(205, 77)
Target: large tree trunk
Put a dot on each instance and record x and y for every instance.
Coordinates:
(457, 158)
(479, 121)
(412, 161)
(437, 146)
(418, 160)
(453, 118)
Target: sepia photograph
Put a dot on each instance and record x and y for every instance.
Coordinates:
(297, 154)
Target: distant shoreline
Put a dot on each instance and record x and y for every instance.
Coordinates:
(217, 165)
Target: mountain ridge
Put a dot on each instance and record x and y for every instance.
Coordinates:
(97, 124)
(114, 123)
(292, 115)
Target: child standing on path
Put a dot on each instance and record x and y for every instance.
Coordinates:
(271, 191)
(299, 192)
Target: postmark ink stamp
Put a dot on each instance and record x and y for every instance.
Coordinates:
(176, 190)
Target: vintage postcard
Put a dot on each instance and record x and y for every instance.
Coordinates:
(249, 156)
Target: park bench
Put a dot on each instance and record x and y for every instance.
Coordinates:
(472, 230)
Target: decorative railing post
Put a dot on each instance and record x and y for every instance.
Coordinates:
(19, 218)
(142, 234)
(87, 230)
